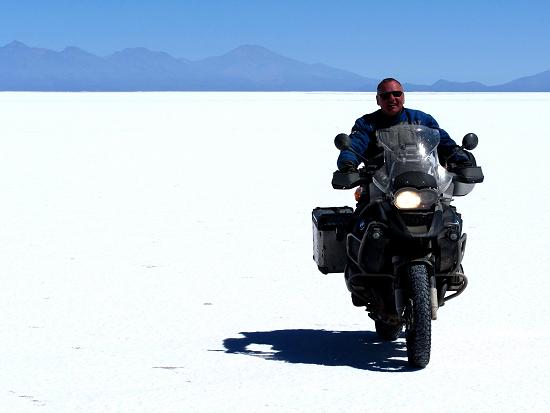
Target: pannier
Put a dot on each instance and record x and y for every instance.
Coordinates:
(330, 227)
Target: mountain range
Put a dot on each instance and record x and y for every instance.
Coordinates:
(246, 68)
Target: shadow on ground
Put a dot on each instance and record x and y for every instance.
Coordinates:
(358, 349)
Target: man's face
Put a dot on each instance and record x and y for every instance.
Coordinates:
(390, 104)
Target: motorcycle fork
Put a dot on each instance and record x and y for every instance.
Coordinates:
(401, 292)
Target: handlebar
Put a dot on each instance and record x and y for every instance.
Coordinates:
(349, 180)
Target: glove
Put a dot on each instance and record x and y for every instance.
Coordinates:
(461, 159)
(347, 167)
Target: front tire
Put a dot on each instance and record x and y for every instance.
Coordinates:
(418, 317)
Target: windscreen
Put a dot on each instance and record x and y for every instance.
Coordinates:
(409, 148)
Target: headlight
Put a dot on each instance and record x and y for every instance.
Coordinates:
(411, 198)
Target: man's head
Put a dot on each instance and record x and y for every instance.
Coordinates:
(390, 96)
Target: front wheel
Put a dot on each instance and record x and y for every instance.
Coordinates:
(418, 317)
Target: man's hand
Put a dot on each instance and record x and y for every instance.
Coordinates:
(348, 167)
(461, 159)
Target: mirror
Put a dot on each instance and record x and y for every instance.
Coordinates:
(469, 141)
(342, 141)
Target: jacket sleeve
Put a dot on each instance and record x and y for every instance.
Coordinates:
(359, 141)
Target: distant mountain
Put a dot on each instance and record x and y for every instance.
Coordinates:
(535, 83)
(257, 68)
(28, 68)
(25, 68)
(448, 86)
(246, 68)
(143, 69)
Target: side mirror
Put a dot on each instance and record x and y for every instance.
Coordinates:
(469, 141)
(342, 141)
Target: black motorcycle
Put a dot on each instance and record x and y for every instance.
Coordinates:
(401, 248)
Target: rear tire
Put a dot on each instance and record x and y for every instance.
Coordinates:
(418, 317)
(388, 332)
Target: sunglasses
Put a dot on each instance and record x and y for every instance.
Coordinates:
(395, 94)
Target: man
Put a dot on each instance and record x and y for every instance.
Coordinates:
(390, 98)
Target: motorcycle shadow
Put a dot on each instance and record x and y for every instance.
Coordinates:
(362, 350)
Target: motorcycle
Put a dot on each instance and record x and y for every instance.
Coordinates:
(401, 249)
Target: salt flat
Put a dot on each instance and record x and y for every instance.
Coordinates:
(155, 254)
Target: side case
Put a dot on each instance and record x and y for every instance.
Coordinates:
(330, 227)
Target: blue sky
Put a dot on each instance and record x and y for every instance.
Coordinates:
(416, 41)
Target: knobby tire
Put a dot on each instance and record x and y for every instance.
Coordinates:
(419, 320)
